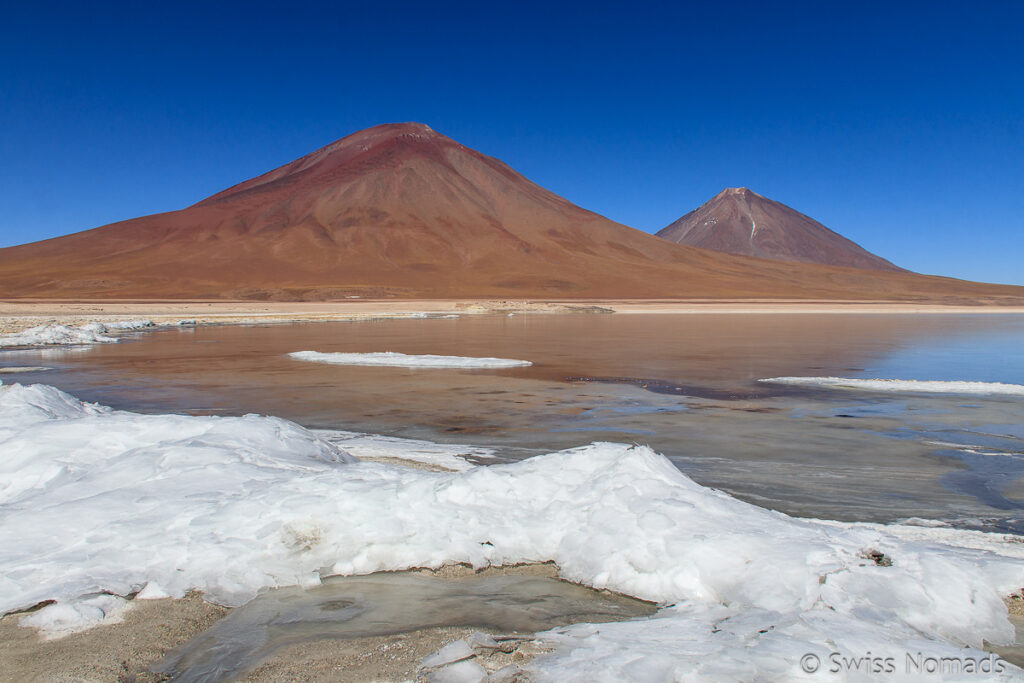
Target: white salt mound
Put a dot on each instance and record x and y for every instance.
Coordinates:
(97, 500)
(401, 360)
(903, 385)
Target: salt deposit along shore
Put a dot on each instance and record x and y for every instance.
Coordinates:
(98, 505)
(17, 317)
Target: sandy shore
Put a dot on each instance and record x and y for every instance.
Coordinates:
(114, 652)
(19, 315)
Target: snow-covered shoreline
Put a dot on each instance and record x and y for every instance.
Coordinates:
(56, 334)
(69, 333)
(99, 501)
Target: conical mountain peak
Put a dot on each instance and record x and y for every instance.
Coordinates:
(740, 221)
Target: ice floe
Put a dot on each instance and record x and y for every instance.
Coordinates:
(98, 501)
(401, 360)
(904, 385)
(56, 334)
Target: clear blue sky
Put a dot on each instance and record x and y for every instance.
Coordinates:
(899, 125)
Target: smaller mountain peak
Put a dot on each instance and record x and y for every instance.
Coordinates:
(740, 221)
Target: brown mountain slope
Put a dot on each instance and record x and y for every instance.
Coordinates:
(400, 210)
(738, 221)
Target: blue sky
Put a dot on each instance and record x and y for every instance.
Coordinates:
(899, 125)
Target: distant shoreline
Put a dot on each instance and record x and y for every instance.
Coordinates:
(17, 315)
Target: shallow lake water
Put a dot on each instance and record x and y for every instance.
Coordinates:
(684, 384)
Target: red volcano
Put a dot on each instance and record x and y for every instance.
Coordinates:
(400, 210)
(738, 221)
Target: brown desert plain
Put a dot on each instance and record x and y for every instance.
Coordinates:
(401, 211)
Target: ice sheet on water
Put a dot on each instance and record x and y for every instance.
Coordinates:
(369, 446)
(904, 385)
(101, 500)
(401, 360)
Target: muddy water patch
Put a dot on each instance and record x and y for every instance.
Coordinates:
(516, 601)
